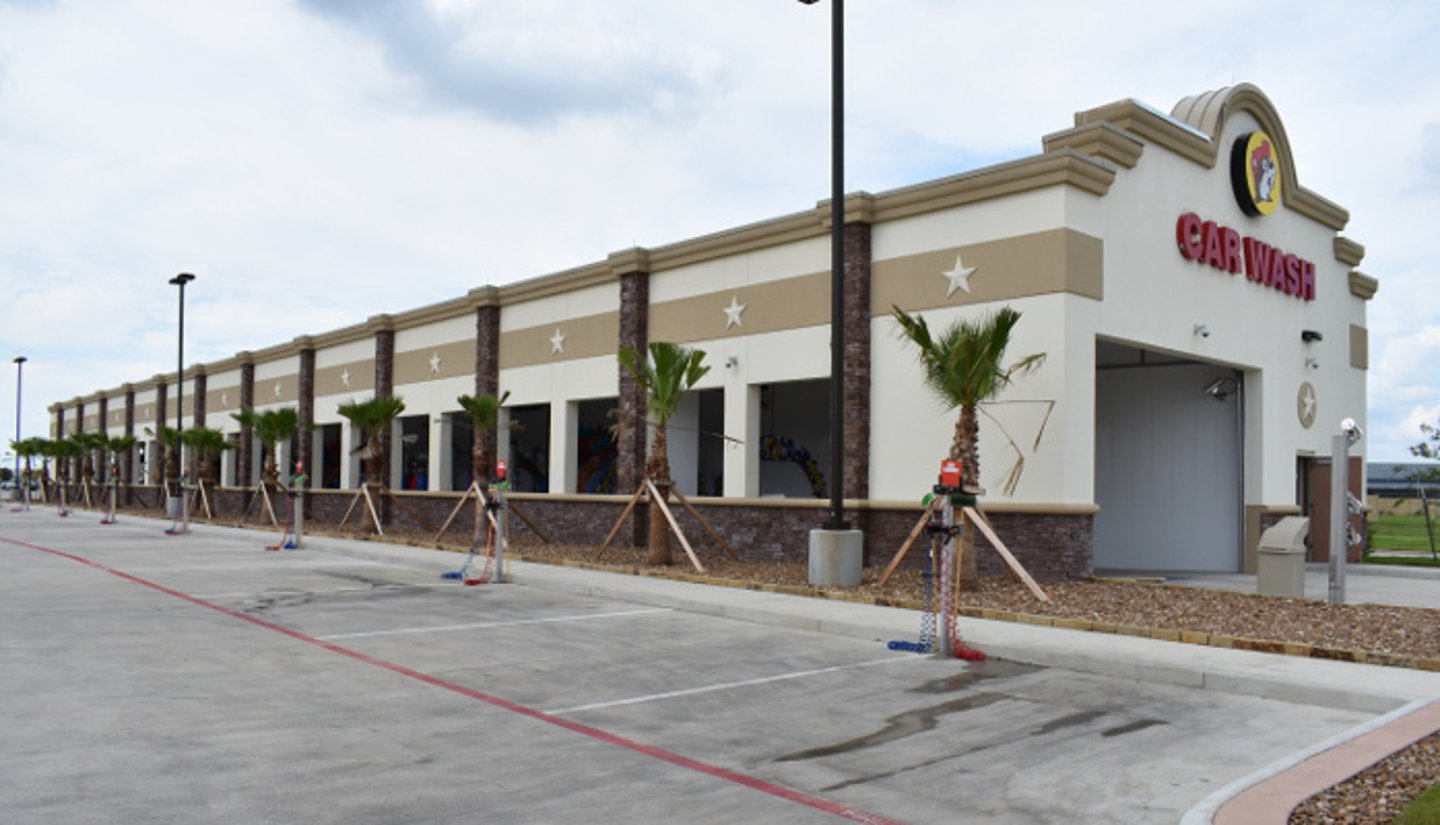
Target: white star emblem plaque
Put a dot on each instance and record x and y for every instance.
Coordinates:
(959, 277)
(1305, 404)
(345, 378)
(277, 389)
(435, 363)
(732, 312)
(557, 342)
(224, 399)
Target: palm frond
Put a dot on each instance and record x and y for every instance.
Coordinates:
(372, 417)
(484, 410)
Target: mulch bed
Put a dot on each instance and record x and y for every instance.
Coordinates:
(1408, 636)
(1376, 795)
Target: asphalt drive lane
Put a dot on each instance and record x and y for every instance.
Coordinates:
(129, 699)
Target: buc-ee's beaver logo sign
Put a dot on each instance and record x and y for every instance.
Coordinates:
(1255, 173)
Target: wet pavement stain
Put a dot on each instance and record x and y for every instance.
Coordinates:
(976, 672)
(1070, 721)
(1141, 724)
(275, 598)
(899, 726)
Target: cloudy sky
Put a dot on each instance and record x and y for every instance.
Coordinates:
(315, 162)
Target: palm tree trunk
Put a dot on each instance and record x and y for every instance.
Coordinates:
(966, 449)
(658, 469)
(659, 552)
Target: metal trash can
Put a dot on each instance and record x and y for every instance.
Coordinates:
(1282, 558)
(172, 506)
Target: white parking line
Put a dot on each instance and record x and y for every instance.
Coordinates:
(268, 564)
(799, 674)
(482, 625)
(251, 594)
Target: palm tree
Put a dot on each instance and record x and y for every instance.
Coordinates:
(373, 418)
(205, 444)
(169, 439)
(117, 446)
(484, 412)
(90, 443)
(271, 427)
(962, 369)
(28, 449)
(64, 451)
(664, 377)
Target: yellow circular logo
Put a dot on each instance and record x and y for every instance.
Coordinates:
(1255, 173)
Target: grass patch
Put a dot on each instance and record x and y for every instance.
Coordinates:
(1391, 532)
(1424, 810)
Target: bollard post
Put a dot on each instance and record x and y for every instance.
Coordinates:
(1350, 433)
(502, 519)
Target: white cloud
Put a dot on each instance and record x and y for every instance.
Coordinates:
(318, 163)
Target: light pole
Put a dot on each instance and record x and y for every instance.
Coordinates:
(19, 484)
(184, 526)
(836, 551)
(837, 264)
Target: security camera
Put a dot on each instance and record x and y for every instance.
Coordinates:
(1202, 330)
(1351, 430)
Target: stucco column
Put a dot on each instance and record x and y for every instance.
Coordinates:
(487, 365)
(634, 333)
(77, 464)
(57, 428)
(157, 462)
(127, 461)
(245, 460)
(633, 268)
(384, 328)
(857, 358)
(307, 433)
(198, 384)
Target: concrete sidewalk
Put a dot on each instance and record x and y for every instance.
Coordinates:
(1364, 584)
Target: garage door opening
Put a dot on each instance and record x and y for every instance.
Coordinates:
(1168, 463)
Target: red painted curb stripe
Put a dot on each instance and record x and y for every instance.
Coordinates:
(575, 727)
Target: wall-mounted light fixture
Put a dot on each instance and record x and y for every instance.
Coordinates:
(1202, 331)
(1222, 388)
(732, 362)
(1311, 335)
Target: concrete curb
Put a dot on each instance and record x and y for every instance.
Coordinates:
(1205, 811)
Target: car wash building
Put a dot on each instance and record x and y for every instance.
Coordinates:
(1201, 316)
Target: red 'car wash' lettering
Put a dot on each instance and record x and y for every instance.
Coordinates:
(1225, 249)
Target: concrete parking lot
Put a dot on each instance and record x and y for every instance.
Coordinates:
(201, 679)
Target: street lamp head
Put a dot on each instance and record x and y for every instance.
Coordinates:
(809, 2)
(20, 359)
(182, 279)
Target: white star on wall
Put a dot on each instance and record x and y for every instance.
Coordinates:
(557, 342)
(732, 312)
(959, 277)
(1307, 404)
(435, 363)
(224, 399)
(277, 389)
(345, 377)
